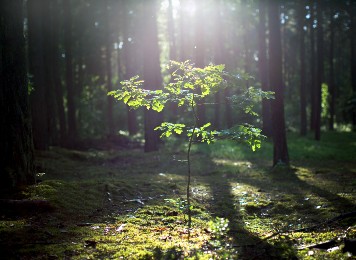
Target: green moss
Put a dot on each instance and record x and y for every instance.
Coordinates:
(112, 204)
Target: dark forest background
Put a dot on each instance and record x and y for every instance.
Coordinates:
(60, 58)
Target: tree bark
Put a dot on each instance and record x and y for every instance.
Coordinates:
(332, 92)
(353, 59)
(320, 69)
(53, 50)
(280, 150)
(128, 64)
(151, 72)
(303, 97)
(108, 64)
(37, 72)
(16, 149)
(71, 105)
(312, 68)
(263, 68)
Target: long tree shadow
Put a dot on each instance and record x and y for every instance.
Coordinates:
(224, 205)
(285, 180)
(279, 182)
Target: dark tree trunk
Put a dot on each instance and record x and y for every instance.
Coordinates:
(108, 50)
(48, 46)
(332, 92)
(37, 71)
(151, 72)
(16, 149)
(71, 105)
(303, 94)
(320, 69)
(58, 88)
(263, 68)
(312, 69)
(280, 150)
(353, 59)
(128, 64)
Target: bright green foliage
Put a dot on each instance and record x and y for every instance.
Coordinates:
(188, 85)
(134, 96)
(168, 128)
(183, 89)
(204, 135)
(244, 133)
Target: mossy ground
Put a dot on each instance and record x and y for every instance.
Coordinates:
(124, 204)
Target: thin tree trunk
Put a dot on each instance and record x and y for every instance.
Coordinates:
(353, 58)
(320, 69)
(280, 150)
(312, 68)
(303, 98)
(331, 74)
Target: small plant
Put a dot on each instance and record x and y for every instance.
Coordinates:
(219, 227)
(189, 85)
(180, 204)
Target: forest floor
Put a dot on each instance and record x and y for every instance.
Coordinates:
(124, 204)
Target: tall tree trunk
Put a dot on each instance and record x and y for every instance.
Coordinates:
(38, 73)
(172, 54)
(58, 88)
(151, 72)
(303, 94)
(183, 56)
(129, 67)
(16, 149)
(332, 92)
(280, 150)
(71, 104)
(219, 50)
(199, 50)
(108, 68)
(320, 69)
(128, 64)
(353, 59)
(263, 68)
(312, 68)
(48, 45)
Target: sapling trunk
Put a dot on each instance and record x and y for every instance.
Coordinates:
(189, 168)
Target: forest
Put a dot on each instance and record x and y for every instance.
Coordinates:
(177, 129)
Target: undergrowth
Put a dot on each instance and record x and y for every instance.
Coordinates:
(124, 204)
